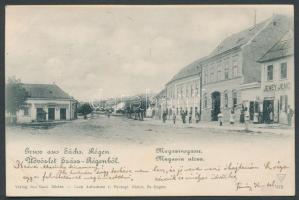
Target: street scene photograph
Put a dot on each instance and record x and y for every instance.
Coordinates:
(136, 73)
(136, 100)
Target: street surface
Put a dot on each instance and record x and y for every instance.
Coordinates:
(115, 130)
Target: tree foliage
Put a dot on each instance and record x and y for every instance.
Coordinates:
(85, 109)
(15, 95)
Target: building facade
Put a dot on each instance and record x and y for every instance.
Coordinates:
(183, 91)
(277, 80)
(47, 102)
(229, 78)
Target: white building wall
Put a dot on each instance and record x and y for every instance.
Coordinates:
(33, 104)
(277, 81)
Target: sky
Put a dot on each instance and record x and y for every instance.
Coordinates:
(95, 52)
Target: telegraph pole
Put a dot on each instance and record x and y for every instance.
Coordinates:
(200, 91)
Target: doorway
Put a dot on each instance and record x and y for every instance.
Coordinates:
(268, 111)
(62, 114)
(40, 114)
(251, 110)
(51, 114)
(216, 102)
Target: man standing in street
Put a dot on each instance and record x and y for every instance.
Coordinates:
(290, 113)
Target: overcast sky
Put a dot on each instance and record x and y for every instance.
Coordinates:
(91, 51)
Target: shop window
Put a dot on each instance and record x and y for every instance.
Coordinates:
(283, 103)
(234, 96)
(283, 71)
(226, 100)
(270, 72)
(26, 111)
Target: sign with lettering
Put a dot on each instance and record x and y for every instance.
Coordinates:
(277, 87)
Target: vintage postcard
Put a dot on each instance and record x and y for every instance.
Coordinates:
(176, 100)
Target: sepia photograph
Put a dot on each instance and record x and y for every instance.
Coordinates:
(160, 100)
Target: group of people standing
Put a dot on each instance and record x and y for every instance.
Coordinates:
(184, 114)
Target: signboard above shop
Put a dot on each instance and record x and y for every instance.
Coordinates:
(277, 87)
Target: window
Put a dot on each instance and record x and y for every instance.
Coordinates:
(187, 92)
(219, 75)
(235, 71)
(234, 96)
(284, 103)
(226, 74)
(26, 111)
(206, 77)
(192, 92)
(226, 100)
(205, 101)
(270, 72)
(212, 77)
(283, 71)
(196, 90)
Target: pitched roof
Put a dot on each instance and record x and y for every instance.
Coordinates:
(189, 70)
(284, 47)
(238, 39)
(234, 41)
(50, 91)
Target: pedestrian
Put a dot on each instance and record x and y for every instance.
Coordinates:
(232, 117)
(184, 114)
(196, 116)
(290, 113)
(242, 114)
(164, 116)
(190, 117)
(173, 117)
(246, 118)
(270, 113)
(220, 116)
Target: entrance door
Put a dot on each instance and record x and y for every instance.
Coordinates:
(62, 114)
(251, 110)
(215, 105)
(268, 111)
(40, 114)
(51, 114)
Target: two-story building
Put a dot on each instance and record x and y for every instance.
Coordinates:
(47, 102)
(231, 74)
(183, 90)
(277, 80)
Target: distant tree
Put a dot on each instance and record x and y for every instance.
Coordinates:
(15, 95)
(85, 109)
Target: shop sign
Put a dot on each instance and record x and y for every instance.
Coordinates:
(277, 87)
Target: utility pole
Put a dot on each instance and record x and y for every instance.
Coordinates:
(200, 91)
